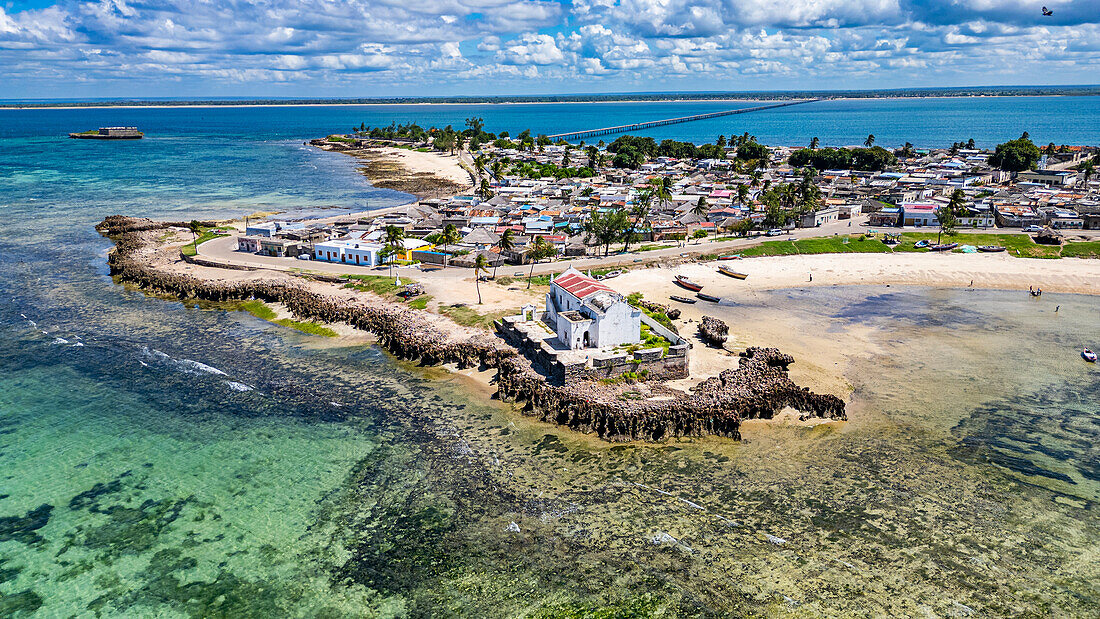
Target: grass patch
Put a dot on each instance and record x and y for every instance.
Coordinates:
(1019, 245)
(261, 310)
(208, 234)
(1088, 249)
(770, 248)
(378, 284)
(654, 247)
(469, 317)
(420, 302)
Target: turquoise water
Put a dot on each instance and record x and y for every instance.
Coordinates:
(163, 459)
(935, 122)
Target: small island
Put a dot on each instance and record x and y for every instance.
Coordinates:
(109, 133)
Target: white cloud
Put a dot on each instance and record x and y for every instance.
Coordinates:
(499, 45)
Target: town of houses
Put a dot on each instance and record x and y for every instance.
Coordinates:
(704, 199)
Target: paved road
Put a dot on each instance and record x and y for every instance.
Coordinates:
(224, 250)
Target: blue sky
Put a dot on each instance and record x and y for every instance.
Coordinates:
(367, 48)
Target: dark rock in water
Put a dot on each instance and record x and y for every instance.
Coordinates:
(22, 528)
(22, 604)
(758, 388)
(713, 331)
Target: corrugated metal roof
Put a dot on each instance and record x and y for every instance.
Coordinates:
(580, 286)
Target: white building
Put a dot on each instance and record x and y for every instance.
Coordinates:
(588, 314)
(348, 251)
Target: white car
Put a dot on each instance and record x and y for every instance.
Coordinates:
(775, 232)
(305, 257)
(1033, 229)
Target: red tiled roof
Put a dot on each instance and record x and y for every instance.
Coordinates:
(580, 286)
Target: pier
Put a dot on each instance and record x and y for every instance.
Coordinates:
(591, 133)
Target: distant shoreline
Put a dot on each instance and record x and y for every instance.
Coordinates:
(520, 100)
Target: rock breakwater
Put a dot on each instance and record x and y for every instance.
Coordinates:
(758, 388)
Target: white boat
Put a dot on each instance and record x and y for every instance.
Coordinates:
(1088, 355)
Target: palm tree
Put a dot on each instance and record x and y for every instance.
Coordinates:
(540, 250)
(870, 141)
(813, 144)
(479, 164)
(507, 242)
(392, 243)
(700, 209)
(1087, 169)
(450, 235)
(195, 227)
(638, 212)
(948, 215)
(742, 194)
(481, 263)
(498, 168)
(484, 190)
(662, 190)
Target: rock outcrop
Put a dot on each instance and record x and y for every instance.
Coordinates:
(758, 388)
(713, 331)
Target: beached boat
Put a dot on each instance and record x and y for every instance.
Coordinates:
(921, 244)
(990, 248)
(708, 297)
(730, 257)
(1088, 355)
(610, 274)
(684, 282)
(680, 299)
(944, 247)
(732, 273)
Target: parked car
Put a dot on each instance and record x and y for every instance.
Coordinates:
(775, 232)
(305, 257)
(1033, 229)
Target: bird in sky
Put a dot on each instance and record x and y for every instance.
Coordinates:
(1047, 12)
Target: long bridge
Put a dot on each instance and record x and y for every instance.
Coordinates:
(591, 133)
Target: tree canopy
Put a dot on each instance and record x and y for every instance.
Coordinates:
(1015, 155)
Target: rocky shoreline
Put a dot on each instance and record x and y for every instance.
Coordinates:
(758, 387)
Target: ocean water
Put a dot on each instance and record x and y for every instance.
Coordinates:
(933, 122)
(183, 460)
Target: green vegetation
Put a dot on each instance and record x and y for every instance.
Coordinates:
(629, 378)
(469, 317)
(381, 285)
(868, 159)
(420, 302)
(207, 234)
(1016, 244)
(261, 310)
(1089, 249)
(1016, 155)
(1019, 245)
(340, 138)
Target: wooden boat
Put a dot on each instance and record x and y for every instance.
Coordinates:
(730, 257)
(921, 244)
(679, 299)
(610, 274)
(990, 248)
(708, 297)
(1088, 355)
(684, 282)
(944, 247)
(732, 273)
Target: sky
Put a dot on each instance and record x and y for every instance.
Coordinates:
(382, 48)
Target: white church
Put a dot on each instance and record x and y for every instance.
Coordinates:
(588, 314)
